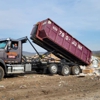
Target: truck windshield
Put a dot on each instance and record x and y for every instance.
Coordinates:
(3, 44)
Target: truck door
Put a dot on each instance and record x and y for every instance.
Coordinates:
(13, 55)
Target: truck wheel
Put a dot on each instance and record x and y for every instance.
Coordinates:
(52, 68)
(1, 73)
(65, 70)
(75, 70)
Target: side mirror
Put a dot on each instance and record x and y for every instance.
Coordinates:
(8, 49)
(8, 46)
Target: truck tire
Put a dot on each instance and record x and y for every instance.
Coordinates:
(53, 68)
(65, 70)
(75, 70)
(1, 73)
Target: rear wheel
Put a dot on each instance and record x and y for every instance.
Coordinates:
(75, 70)
(1, 73)
(52, 68)
(65, 70)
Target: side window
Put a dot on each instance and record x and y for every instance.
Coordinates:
(14, 45)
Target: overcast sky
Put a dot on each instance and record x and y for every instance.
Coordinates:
(81, 18)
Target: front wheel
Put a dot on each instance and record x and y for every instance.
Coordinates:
(1, 73)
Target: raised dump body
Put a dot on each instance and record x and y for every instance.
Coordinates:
(52, 37)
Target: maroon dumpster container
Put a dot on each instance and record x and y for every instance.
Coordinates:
(50, 36)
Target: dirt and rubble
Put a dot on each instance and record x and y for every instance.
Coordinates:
(45, 87)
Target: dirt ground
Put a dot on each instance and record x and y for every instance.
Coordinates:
(45, 87)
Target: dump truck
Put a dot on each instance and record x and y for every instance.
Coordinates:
(55, 39)
(48, 35)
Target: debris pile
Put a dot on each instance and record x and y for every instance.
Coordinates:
(93, 68)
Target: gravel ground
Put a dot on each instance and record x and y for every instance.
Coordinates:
(45, 87)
